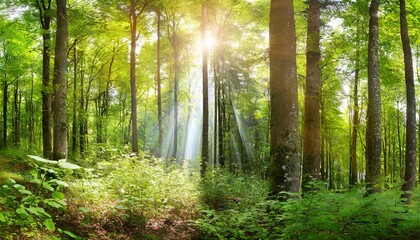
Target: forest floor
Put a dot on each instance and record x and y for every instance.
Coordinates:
(105, 228)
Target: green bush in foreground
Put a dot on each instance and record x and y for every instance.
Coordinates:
(321, 215)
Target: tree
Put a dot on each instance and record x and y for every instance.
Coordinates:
(59, 105)
(44, 8)
(158, 83)
(311, 134)
(374, 115)
(284, 143)
(205, 130)
(135, 9)
(410, 144)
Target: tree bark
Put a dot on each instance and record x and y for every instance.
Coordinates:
(60, 84)
(74, 123)
(410, 144)
(133, 28)
(353, 154)
(158, 83)
(311, 134)
(374, 114)
(205, 129)
(284, 143)
(44, 8)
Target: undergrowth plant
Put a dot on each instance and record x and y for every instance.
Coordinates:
(318, 215)
(31, 209)
(124, 192)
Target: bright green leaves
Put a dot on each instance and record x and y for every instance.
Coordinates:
(49, 224)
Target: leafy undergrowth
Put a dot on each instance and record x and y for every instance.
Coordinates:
(133, 197)
(118, 197)
(228, 213)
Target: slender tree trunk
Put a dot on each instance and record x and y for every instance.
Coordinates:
(82, 117)
(311, 134)
(5, 104)
(205, 129)
(60, 84)
(158, 83)
(220, 126)
(44, 7)
(284, 152)
(353, 155)
(133, 28)
(74, 123)
(176, 85)
(374, 116)
(31, 122)
(410, 147)
(399, 142)
(16, 115)
(216, 108)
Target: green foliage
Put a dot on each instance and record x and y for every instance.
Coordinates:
(31, 207)
(221, 189)
(321, 215)
(126, 192)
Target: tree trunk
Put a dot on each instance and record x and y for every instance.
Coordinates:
(133, 28)
(410, 144)
(5, 103)
(374, 118)
(74, 123)
(176, 84)
(60, 84)
(353, 155)
(82, 117)
(284, 155)
(44, 8)
(311, 134)
(158, 83)
(205, 129)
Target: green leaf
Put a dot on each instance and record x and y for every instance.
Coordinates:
(2, 218)
(38, 211)
(58, 195)
(60, 183)
(18, 186)
(49, 224)
(22, 212)
(48, 186)
(24, 191)
(54, 204)
(43, 160)
(67, 165)
(74, 236)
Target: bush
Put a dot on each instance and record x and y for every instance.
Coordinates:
(320, 215)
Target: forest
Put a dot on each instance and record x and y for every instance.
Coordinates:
(209, 119)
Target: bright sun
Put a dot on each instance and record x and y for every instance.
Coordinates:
(210, 42)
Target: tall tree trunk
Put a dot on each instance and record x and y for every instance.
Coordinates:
(311, 134)
(31, 118)
(353, 155)
(176, 85)
(374, 117)
(133, 28)
(16, 115)
(410, 144)
(158, 83)
(400, 151)
(82, 117)
(284, 155)
(205, 129)
(44, 7)
(74, 123)
(60, 84)
(5, 105)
